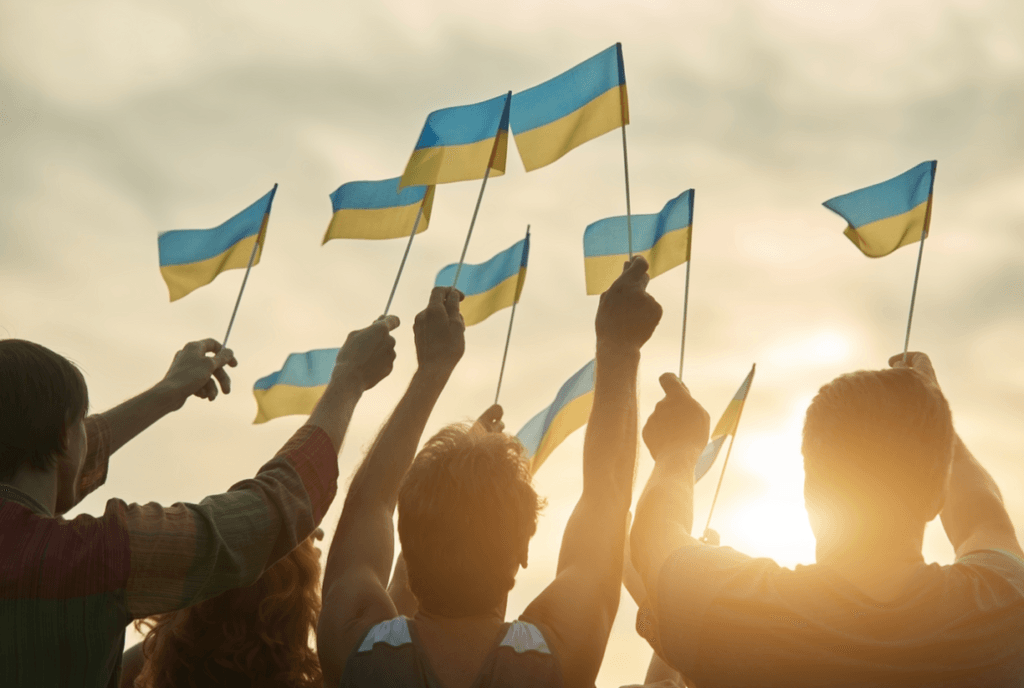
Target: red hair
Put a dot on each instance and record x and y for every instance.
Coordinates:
(256, 635)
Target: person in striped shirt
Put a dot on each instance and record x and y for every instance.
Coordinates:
(68, 588)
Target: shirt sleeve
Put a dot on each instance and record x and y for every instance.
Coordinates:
(688, 584)
(97, 456)
(186, 553)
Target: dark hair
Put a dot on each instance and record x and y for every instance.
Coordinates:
(466, 512)
(256, 635)
(41, 395)
(878, 439)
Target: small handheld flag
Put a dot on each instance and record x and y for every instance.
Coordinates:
(489, 286)
(379, 210)
(512, 315)
(662, 238)
(192, 258)
(460, 143)
(567, 413)
(726, 427)
(889, 215)
(589, 100)
(297, 387)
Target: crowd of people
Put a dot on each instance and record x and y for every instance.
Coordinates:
(229, 589)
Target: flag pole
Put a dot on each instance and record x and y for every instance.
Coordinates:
(917, 271)
(725, 463)
(686, 301)
(472, 222)
(252, 257)
(405, 255)
(629, 214)
(511, 319)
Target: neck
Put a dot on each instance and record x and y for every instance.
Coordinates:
(39, 485)
(881, 546)
(488, 618)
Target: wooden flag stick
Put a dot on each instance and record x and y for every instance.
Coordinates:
(629, 214)
(405, 255)
(472, 222)
(686, 301)
(511, 319)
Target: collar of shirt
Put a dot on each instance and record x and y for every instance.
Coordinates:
(15, 495)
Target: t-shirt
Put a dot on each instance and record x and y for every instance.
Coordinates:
(390, 655)
(726, 619)
(69, 588)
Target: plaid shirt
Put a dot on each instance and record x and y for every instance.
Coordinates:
(68, 589)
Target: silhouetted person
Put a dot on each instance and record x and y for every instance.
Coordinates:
(69, 588)
(466, 513)
(881, 460)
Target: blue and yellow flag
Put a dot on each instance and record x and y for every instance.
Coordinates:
(191, 258)
(726, 426)
(297, 387)
(489, 286)
(886, 216)
(663, 239)
(560, 114)
(460, 143)
(568, 412)
(378, 210)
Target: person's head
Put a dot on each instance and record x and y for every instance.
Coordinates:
(249, 636)
(466, 513)
(43, 402)
(878, 447)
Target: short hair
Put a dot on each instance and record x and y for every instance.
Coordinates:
(41, 395)
(466, 511)
(881, 437)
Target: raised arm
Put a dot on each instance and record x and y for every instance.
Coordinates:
(974, 515)
(675, 434)
(359, 561)
(579, 606)
(192, 372)
(186, 553)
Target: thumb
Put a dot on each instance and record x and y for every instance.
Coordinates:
(672, 385)
(389, 321)
(223, 357)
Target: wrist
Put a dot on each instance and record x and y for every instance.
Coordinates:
(435, 371)
(677, 457)
(346, 378)
(166, 397)
(613, 348)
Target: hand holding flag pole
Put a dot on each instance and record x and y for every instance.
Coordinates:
(511, 319)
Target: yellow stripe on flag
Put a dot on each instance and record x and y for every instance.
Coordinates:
(572, 417)
(183, 279)
(286, 400)
(882, 237)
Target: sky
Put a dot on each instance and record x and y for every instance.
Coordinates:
(119, 120)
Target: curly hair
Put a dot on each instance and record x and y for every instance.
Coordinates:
(466, 513)
(883, 437)
(252, 636)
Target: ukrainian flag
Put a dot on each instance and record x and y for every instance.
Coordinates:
(551, 119)
(191, 258)
(490, 286)
(568, 412)
(663, 239)
(460, 143)
(378, 210)
(886, 216)
(297, 387)
(726, 426)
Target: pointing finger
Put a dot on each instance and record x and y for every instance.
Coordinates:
(437, 295)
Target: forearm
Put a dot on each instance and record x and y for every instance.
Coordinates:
(973, 499)
(333, 412)
(663, 520)
(610, 445)
(126, 420)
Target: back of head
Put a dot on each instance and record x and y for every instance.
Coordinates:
(877, 442)
(41, 395)
(466, 513)
(256, 635)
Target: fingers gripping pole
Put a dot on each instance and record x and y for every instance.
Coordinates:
(405, 255)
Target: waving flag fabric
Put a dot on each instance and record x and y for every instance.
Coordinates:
(568, 412)
(490, 286)
(663, 239)
(460, 143)
(576, 106)
(378, 210)
(191, 258)
(726, 426)
(886, 216)
(297, 387)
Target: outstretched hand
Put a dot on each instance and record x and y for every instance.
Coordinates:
(440, 331)
(194, 371)
(918, 362)
(627, 314)
(679, 424)
(368, 355)
(489, 421)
